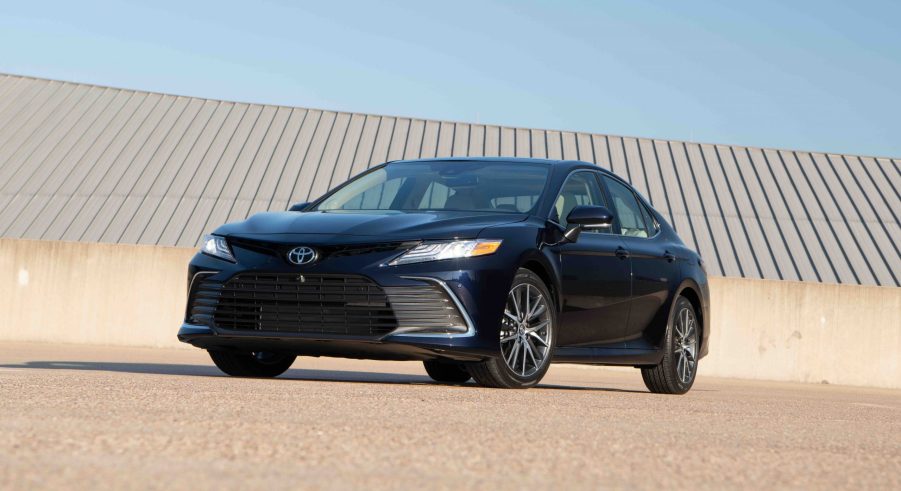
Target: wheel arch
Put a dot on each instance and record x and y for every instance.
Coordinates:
(539, 265)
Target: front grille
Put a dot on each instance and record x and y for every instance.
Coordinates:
(323, 304)
(326, 304)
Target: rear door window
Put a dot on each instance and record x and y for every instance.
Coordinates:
(629, 211)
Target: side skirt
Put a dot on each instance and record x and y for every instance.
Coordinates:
(608, 356)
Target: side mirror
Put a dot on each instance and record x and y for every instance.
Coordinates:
(298, 206)
(586, 217)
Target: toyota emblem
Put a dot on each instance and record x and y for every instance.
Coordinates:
(302, 255)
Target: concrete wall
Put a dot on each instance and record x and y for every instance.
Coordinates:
(134, 295)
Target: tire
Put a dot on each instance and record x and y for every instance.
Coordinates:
(676, 372)
(510, 369)
(446, 372)
(259, 364)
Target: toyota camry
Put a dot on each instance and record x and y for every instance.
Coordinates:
(482, 268)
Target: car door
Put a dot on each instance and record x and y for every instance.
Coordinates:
(653, 266)
(595, 285)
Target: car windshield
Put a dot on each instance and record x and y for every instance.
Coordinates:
(499, 187)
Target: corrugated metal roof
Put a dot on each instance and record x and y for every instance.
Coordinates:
(90, 163)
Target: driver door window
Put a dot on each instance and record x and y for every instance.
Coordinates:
(581, 188)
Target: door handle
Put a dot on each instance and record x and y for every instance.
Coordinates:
(622, 253)
(669, 256)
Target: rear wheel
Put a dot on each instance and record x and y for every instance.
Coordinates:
(256, 364)
(676, 372)
(527, 336)
(446, 372)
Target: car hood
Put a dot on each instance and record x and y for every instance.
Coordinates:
(382, 225)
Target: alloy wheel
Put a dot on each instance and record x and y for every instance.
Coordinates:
(526, 330)
(685, 345)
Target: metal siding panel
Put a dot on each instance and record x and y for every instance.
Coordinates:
(39, 167)
(843, 242)
(347, 150)
(211, 200)
(570, 147)
(891, 169)
(678, 213)
(725, 201)
(157, 184)
(890, 201)
(461, 140)
(476, 146)
(312, 158)
(262, 161)
(23, 110)
(507, 146)
(430, 137)
(270, 162)
(75, 220)
(657, 193)
(870, 206)
(778, 180)
(446, 131)
(74, 169)
(492, 141)
(537, 144)
(382, 141)
(877, 245)
(83, 162)
(43, 157)
(300, 144)
(399, 139)
(523, 139)
(601, 148)
(329, 163)
(554, 145)
(616, 153)
(79, 161)
(31, 135)
(754, 209)
(189, 194)
(635, 165)
(413, 146)
(697, 214)
(363, 153)
(233, 207)
(175, 187)
(278, 161)
(809, 200)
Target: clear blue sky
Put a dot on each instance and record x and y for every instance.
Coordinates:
(809, 75)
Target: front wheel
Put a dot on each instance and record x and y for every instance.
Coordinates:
(256, 364)
(446, 372)
(527, 337)
(676, 372)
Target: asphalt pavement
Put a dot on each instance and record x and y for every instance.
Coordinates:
(83, 417)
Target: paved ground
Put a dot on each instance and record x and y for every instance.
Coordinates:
(86, 417)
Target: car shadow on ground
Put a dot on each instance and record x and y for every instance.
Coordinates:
(338, 376)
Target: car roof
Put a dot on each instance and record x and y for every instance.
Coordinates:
(564, 164)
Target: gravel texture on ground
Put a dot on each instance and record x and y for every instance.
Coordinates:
(84, 417)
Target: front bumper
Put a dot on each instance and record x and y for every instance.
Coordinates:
(391, 347)
(477, 287)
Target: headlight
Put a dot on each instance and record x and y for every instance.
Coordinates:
(217, 247)
(437, 251)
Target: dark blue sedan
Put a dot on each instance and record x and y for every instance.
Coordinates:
(482, 268)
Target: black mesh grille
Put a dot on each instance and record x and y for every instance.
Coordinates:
(325, 304)
(328, 304)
